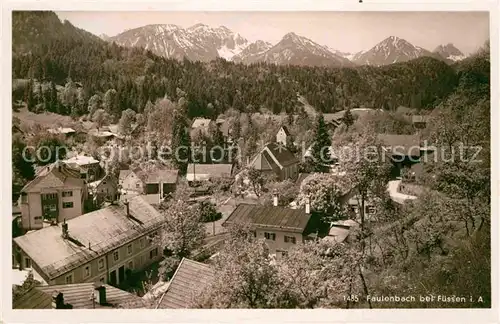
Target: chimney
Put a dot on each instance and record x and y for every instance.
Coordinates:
(275, 198)
(57, 300)
(100, 293)
(127, 206)
(308, 205)
(65, 231)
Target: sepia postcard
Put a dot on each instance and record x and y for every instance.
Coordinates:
(227, 160)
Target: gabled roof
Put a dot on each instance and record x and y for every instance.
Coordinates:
(124, 174)
(55, 175)
(187, 282)
(164, 176)
(272, 217)
(77, 295)
(401, 144)
(337, 117)
(104, 229)
(81, 160)
(107, 177)
(208, 170)
(285, 129)
(283, 156)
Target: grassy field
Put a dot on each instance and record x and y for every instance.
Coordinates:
(46, 119)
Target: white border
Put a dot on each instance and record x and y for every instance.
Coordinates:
(243, 316)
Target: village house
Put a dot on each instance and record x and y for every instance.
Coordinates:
(90, 168)
(105, 246)
(204, 172)
(275, 159)
(155, 184)
(333, 120)
(282, 227)
(159, 183)
(188, 281)
(58, 192)
(77, 296)
(129, 180)
(105, 189)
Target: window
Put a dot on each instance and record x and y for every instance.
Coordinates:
(116, 255)
(153, 253)
(86, 271)
(102, 280)
(50, 196)
(254, 233)
(290, 239)
(68, 204)
(370, 209)
(100, 264)
(83, 175)
(38, 218)
(67, 194)
(137, 185)
(69, 279)
(131, 265)
(27, 262)
(129, 249)
(270, 236)
(141, 242)
(49, 208)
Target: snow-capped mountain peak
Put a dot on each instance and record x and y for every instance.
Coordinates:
(393, 49)
(449, 52)
(199, 42)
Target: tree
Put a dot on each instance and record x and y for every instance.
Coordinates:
(367, 169)
(100, 117)
(256, 180)
(320, 150)
(182, 233)
(287, 192)
(109, 102)
(125, 123)
(348, 118)
(319, 274)
(22, 164)
(49, 148)
(95, 103)
(181, 143)
(208, 212)
(29, 98)
(247, 265)
(325, 193)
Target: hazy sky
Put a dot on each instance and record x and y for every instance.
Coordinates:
(345, 31)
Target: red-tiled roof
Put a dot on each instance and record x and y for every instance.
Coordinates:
(77, 295)
(187, 282)
(276, 217)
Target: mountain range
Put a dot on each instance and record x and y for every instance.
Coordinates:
(204, 43)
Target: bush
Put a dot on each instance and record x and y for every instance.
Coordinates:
(208, 212)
